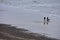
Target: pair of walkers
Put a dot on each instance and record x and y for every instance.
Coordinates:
(46, 20)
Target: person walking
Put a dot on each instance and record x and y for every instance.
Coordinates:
(47, 20)
(44, 19)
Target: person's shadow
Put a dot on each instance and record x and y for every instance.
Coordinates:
(44, 21)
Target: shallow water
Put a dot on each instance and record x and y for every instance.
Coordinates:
(30, 16)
